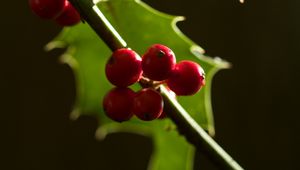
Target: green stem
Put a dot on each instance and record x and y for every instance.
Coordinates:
(185, 123)
(196, 135)
(95, 18)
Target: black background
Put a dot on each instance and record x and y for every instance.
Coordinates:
(255, 103)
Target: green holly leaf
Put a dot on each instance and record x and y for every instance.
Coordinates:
(140, 26)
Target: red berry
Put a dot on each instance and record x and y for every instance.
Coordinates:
(47, 9)
(158, 62)
(187, 78)
(118, 103)
(69, 16)
(147, 104)
(124, 68)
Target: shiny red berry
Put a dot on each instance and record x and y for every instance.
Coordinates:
(147, 104)
(124, 68)
(69, 16)
(158, 62)
(187, 78)
(117, 104)
(47, 9)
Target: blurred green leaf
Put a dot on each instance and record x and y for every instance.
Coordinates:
(140, 26)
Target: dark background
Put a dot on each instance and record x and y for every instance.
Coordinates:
(255, 103)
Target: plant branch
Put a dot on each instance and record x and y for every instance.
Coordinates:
(196, 135)
(95, 18)
(186, 125)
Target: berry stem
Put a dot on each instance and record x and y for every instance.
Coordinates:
(95, 18)
(185, 123)
(195, 134)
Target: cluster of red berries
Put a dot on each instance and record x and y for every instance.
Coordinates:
(157, 66)
(61, 11)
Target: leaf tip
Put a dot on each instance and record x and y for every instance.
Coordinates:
(222, 63)
(178, 19)
(69, 59)
(217, 61)
(101, 133)
(211, 130)
(55, 44)
(174, 22)
(197, 51)
(74, 115)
